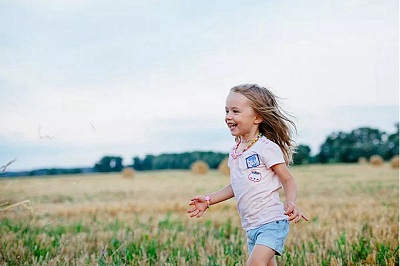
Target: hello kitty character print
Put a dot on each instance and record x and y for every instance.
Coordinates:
(255, 176)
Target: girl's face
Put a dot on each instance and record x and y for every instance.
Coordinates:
(240, 117)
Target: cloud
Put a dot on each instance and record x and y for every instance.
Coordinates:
(103, 76)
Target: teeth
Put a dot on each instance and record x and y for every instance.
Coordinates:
(231, 125)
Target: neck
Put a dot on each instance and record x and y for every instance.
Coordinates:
(247, 139)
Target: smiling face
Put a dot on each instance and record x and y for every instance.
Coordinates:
(240, 117)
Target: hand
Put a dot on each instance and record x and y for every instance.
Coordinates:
(294, 212)
(199, 204)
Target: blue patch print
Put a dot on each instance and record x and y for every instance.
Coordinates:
(252, 161)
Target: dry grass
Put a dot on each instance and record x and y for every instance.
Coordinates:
(348, 205)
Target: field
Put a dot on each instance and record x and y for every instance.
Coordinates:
(110, 220)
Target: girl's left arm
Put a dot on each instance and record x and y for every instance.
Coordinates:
(289, 186)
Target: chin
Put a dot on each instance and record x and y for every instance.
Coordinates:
(234, 134)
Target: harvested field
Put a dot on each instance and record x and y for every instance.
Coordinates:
(106, 219)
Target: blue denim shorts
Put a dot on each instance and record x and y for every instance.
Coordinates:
(272, 235)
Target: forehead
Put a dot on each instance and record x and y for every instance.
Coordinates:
(235, 99)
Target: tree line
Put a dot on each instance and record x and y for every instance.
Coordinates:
(338, 147)
(361, 142)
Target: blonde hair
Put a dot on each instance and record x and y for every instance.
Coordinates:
(275, 124)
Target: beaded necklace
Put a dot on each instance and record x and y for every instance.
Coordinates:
(236, 155)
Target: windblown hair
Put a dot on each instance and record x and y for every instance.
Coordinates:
(275, 124)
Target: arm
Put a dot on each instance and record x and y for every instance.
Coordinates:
(200, 204)
(289, 186)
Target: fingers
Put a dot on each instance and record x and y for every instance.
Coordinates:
(296, 217)
(289, 210)
(197, 209)
(290, 207)
(197, 198)
(195, 213)
(294, 213)
(192, 209)
(292, 216)
(200, 214)
(304, 217)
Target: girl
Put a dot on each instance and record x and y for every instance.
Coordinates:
(258, 169)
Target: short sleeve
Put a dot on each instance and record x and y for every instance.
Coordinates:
(229, 160)
(271, 153)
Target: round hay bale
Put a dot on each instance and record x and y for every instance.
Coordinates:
(394, 162)
(199, 167)
(223, 167)
(362, 160)
(376, 160)
(128, 172)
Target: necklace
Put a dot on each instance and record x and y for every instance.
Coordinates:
(235, 155)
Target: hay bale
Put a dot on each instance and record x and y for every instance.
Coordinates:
(199, 167)
(362, 160)
(376, 160)
(394, 162)
(223, 167)
(128, 172)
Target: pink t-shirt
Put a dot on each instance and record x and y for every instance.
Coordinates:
(256, 185)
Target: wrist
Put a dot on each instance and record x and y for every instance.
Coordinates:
(291, 201)
(207, 198)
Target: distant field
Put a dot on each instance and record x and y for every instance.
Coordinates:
(109, 220)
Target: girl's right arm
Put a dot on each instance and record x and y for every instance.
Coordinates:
(200, 203)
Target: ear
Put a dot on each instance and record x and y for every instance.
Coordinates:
(258, 119)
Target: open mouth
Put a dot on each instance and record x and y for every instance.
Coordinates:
(231, 126)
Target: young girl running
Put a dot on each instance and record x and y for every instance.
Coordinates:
(258, 169)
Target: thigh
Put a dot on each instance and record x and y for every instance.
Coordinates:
(261, 255)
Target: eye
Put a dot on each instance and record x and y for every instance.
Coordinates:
(236, 111)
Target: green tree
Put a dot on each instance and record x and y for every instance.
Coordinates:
(348, 147)
(109, 164)
(137, 163)
(392, 144)
(177, 160)
(302, 155)
(148, 162)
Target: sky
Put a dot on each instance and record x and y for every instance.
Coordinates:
(83, 79)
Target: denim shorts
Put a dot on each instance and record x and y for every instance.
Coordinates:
(272, 235)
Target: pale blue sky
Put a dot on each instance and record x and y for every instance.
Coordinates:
(131, 78)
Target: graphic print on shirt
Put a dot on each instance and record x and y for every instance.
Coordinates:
(252, 161)
(255, 176)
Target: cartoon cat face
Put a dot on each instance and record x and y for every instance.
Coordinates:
(255, 176)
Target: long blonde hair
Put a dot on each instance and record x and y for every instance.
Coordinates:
(275, 124)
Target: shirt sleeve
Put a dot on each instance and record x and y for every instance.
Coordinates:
(271, 154)
(229, 159)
